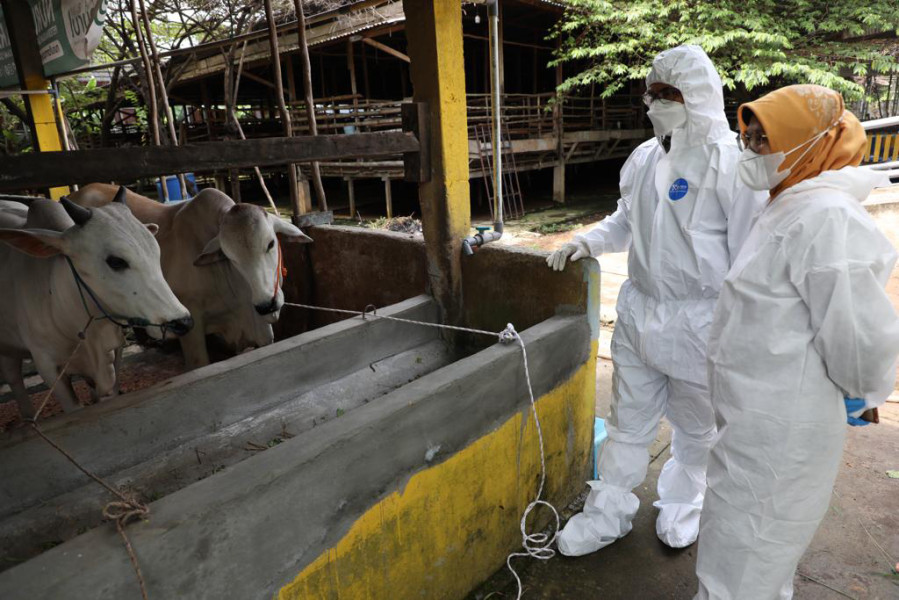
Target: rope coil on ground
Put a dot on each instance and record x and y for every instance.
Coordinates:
(536, 545)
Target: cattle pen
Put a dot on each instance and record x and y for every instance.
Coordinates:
(385, 453)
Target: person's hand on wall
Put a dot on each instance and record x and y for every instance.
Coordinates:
(557, 259)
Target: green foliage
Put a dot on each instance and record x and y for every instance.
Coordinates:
(754, 43)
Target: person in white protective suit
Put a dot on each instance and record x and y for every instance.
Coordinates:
(803, 334)
(682, 214)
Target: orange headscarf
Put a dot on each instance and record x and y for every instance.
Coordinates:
(796, 114)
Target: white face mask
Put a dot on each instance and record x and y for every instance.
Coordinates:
(760, 171)
(666, 116)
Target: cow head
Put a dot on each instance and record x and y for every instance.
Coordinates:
(250, 239)
(115, 255)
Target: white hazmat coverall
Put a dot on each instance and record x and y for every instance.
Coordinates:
(683, 215)
(803, 321)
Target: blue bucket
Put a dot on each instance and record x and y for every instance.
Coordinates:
(599, 436)
(174, 187)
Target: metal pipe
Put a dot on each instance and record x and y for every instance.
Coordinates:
(483, 236)
(493, 27)
(878, 123)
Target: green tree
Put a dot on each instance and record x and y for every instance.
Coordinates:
(842, 44)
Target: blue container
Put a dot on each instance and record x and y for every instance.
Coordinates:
(599, 436)
(174, 187)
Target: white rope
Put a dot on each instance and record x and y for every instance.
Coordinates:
(536, 545)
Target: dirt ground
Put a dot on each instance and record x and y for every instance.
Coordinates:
(141, 369)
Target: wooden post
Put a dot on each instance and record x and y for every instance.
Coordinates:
(438, 78)
(351, 192)
(151, 89)
(39, 108)
(282, 107)
(310, 102)
(234, 176)
(558, 132)
(207, 108)
(351, 65)
(291, 79)
(365, 88)
(388, 198)
(160, 81)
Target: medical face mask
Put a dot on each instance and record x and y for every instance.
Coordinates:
(666, 116)
(760, 171)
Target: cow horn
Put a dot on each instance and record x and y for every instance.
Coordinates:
(79, 214)
(120, 195)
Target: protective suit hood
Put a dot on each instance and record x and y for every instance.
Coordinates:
(855, 181)
(689, 69)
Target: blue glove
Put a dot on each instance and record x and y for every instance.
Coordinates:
(855, 405)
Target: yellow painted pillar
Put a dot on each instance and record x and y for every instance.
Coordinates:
(434, 32)
(20, 27)
(46, 132)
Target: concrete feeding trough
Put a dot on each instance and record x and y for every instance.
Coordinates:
(362, 458)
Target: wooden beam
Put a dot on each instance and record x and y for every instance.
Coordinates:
(45, 169)
(387, 49)
(259, 79)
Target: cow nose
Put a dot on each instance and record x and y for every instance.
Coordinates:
(267, 308)
(180, 326)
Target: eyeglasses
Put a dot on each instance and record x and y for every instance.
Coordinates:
(670, 94)
(753, 140)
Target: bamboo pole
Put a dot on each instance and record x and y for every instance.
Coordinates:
(160, 82)
(233, 115)
(282, 106)
(310, 103)
(151, 89)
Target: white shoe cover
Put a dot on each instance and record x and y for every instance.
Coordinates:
(681, 492)
(607, 516)
(678, 525)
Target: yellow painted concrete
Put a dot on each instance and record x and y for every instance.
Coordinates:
(453, 524)
(44, 123)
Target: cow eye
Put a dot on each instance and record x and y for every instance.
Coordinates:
(117, 264)
(271, 245)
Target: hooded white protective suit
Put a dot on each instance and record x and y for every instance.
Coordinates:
(683, 215)
(803, 321)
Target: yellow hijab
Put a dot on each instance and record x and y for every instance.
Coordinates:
(796, 114)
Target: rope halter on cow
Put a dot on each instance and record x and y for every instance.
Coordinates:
(119, 320)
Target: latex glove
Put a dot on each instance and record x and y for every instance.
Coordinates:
(556, 260)
(854, 405)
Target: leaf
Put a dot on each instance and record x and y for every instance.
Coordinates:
(893, 474)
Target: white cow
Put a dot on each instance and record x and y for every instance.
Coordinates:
(43, 309)
(223, 261)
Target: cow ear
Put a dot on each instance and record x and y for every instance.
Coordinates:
(40, 243)
(212, 253)
(288, 233)
(152, 228)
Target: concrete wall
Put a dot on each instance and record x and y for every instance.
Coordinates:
(349, 268)
(417, 494)
(163, 438)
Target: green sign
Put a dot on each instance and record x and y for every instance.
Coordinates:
(68, 31)
(9, 77)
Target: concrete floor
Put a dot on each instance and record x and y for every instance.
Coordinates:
(843, 555)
